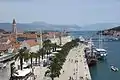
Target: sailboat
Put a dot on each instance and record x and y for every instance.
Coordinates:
(91, 57)
(101, 52)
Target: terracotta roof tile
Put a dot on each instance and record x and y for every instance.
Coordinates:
(4, 47)
(31, 42)
(28, 35)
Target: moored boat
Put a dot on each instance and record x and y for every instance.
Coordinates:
(113, 68)
(91, 62)
(101, 53)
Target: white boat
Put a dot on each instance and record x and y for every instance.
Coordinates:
(113, 68)
(81, 39)
(101, 52)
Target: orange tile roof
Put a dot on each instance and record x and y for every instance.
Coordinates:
(27, 35)
(31, 42)
(15, 45)
(4, 47)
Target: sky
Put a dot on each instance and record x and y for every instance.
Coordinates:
(80, 12)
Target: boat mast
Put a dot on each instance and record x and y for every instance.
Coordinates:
(91, 50)
(100, 40)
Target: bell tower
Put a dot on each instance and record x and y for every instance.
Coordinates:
(14, 28)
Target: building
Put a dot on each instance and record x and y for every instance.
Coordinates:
(31, 45)
(14, 28)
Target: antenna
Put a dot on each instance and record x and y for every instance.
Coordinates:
(100, 39)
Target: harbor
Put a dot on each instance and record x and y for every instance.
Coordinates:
(102, 70)
(80, 68)
(59, 40)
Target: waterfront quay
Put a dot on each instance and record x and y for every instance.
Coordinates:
(75, 66)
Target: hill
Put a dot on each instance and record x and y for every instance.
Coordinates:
(99, 26)
(112, 31)
(115, 28)
(39, 25)
(2, 30)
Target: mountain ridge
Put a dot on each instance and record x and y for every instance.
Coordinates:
(38, 25)
(99, 26)
(46, 26)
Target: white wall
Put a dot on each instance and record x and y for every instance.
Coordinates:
(63, 39)
(24, 44)
(34, 48)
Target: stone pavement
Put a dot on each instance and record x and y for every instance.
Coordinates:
(75, 66)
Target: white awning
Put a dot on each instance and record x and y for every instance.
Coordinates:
(23, 72)
(58, 49)
(54, 52)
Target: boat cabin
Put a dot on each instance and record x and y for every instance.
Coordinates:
(102, 52)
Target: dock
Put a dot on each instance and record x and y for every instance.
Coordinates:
(75, 66)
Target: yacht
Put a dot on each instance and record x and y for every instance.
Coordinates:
(101, 52)
(113, 68)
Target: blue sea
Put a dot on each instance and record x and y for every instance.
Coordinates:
(102, 70)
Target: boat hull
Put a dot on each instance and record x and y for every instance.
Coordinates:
(92, 62)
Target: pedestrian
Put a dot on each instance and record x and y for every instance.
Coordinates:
(63, 71)
(73, 73)
(72, 78)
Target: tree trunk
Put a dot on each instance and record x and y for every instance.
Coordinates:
(52, 78)
(39, 60)
(55, 48)
(21, 63)
(31, 62)
(47, 54)
(36, 61)
(42, 56)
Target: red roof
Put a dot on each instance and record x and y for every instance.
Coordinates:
(4, 47)
(31, 42)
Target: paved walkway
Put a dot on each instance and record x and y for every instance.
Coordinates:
(75, 66)
(40, 71)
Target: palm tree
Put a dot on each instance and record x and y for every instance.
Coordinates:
(57, 62)
(26, 55)
(20, 55)
(42, 52)
(54, 46)
(31, 56)
(47, 46)
(54, 69)
(39, 53)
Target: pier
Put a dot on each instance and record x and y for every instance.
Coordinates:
(75, 66)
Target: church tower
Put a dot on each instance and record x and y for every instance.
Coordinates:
(14, 28)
